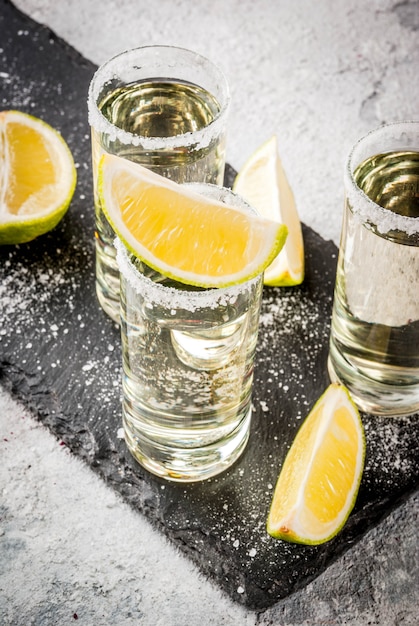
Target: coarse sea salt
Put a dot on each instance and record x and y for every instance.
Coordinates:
(173, 298)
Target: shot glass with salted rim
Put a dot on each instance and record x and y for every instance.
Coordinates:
(374, 345)
(188, 359)
(165, 108)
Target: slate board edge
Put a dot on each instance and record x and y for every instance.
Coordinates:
(129, 491)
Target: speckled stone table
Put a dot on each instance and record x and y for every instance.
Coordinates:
(46, 310)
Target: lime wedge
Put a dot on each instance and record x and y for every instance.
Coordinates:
(319, 480)
(181, 234)
(263, 183)
(38, 177)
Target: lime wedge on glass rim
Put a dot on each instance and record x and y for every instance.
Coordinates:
(181, 234)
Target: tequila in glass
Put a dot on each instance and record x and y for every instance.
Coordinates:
(166, 109)
(374, 346)
(188, 358)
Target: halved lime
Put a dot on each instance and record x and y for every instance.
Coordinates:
(37, 177)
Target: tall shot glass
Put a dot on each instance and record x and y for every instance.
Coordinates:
(165, 108)
(374, 345)
(188, 358)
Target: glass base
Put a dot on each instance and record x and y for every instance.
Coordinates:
(371, 396)
(186, 464)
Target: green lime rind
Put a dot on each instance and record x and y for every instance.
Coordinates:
(284, 281)
(206, 284)
(24, 231)
(292, 537)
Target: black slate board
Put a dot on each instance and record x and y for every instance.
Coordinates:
(59, 354)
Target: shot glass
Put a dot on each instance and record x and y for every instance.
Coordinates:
(188, 357)
(374, 345)
(165, 108)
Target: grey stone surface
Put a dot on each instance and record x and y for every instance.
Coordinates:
(69, 545)
(71, 548)
(319, 75)
(375, 583)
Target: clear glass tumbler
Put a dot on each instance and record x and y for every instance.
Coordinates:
(188, 358)
(374, 346)
(165, 108)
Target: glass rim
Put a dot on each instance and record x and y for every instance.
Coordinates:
(171, 297)
(384, 220)
(200, 138)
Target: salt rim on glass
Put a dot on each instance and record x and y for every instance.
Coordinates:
(163, 295)
(362, 206)
(126, 64)
(170, 297)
